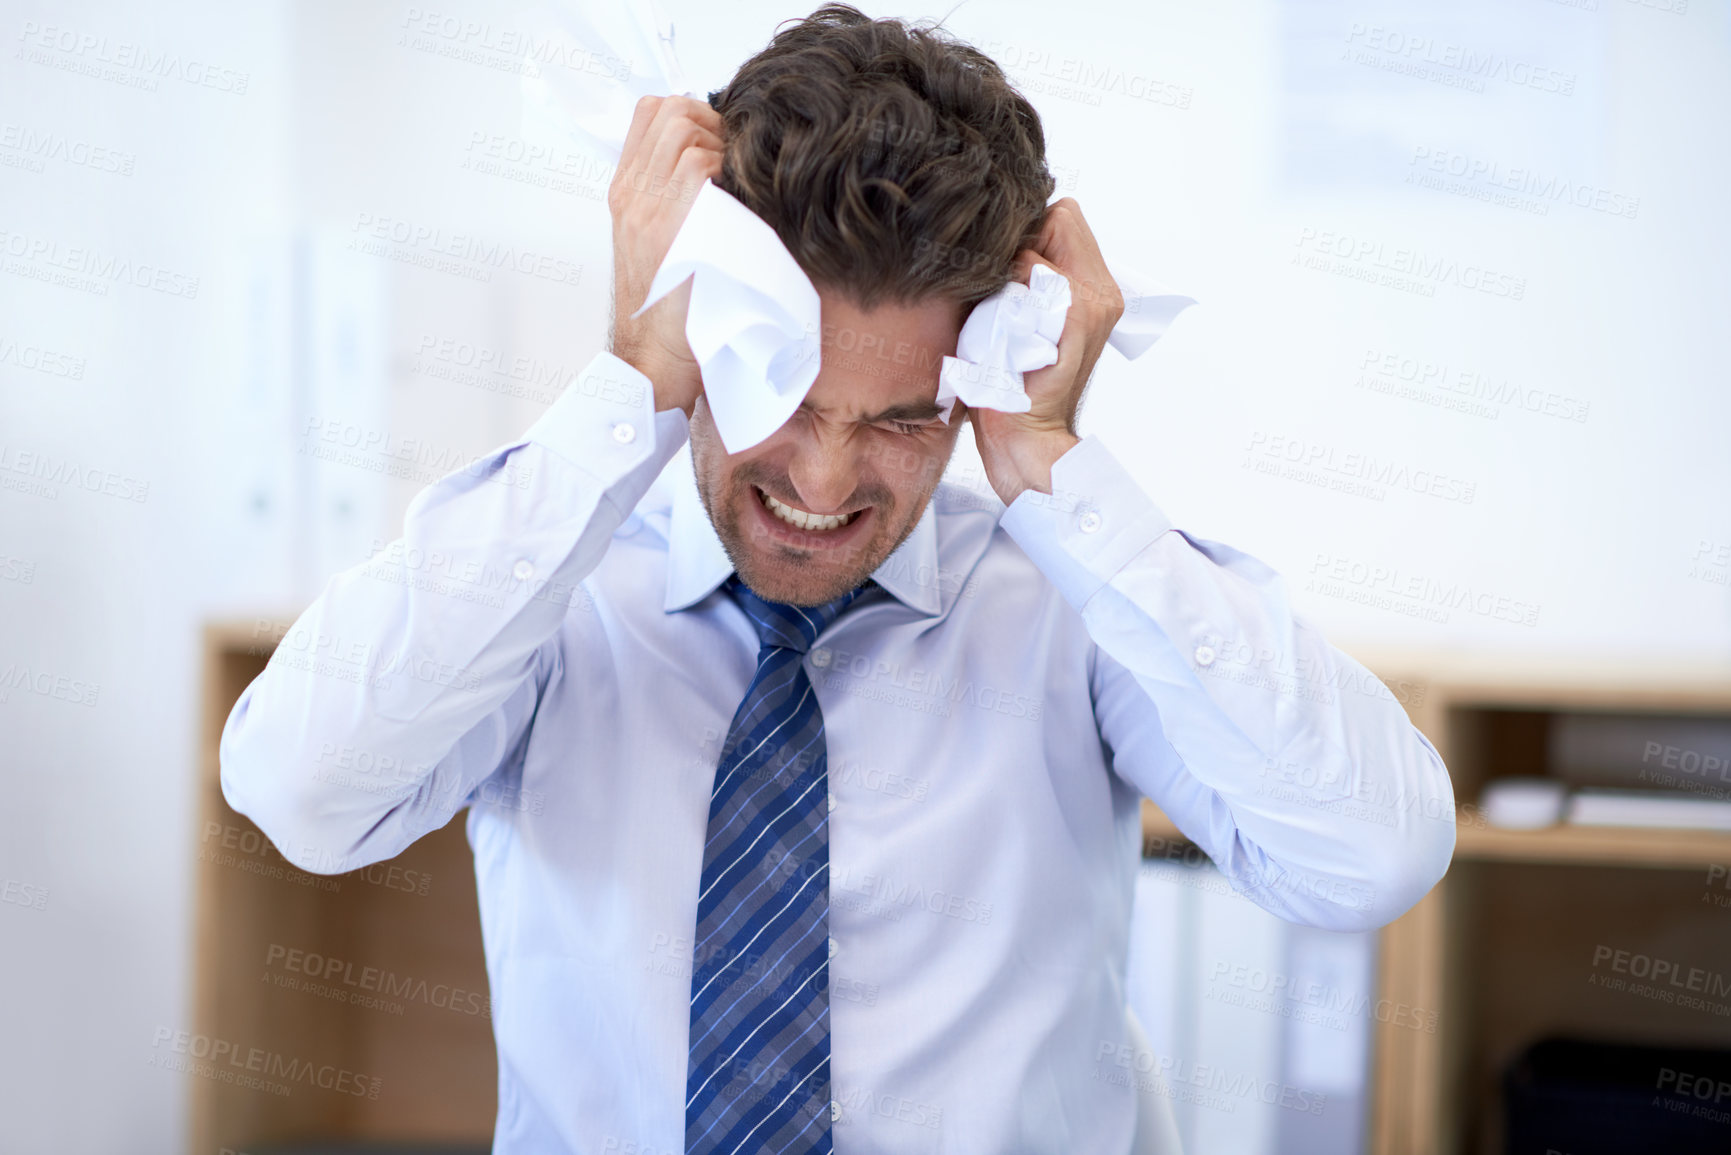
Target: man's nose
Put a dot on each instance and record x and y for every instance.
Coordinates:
(824, 469)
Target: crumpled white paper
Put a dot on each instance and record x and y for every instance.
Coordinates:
(1012, 331)
(1149, 308)
(754, 319)
(581, 81)
(1016, 330)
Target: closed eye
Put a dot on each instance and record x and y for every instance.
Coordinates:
(909, 428)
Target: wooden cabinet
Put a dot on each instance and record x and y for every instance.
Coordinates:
(348, 1007)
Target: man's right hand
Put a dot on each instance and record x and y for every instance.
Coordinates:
(674, 146)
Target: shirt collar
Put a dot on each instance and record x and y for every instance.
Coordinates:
(697, 563)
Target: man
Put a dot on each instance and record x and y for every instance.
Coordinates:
(836, 772)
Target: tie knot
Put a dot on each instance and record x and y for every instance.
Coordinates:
(792, 627)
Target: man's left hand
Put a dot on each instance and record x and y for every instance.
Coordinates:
(1019, 448)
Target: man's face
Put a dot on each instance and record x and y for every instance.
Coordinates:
(809, 513)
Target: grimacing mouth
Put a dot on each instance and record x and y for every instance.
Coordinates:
(803, 520)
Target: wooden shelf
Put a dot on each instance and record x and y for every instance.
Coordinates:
(1596, 846)
(1501, 948)
(1504, 946)
(1658, 848)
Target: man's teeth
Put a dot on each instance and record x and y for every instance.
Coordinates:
(803, 520)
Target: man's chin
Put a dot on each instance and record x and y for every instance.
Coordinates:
(791, 581)
(792, 566)
(796, 572)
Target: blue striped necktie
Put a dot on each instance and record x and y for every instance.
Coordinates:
(758, 1074)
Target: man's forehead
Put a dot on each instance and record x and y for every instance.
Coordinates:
(866, 411)
(883, 364)
(856, 388)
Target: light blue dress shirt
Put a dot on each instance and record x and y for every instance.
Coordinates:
(547, 644)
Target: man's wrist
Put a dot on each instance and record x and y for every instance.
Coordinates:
(667, 381)
(1025, 462)
(667, 395)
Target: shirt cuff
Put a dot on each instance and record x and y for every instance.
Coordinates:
(605, 422)
(1095, 520)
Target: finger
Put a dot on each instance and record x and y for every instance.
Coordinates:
(1027, 259)
(1073, 213)
(709, 140)
(641, 118)
(698, 112)
(1060, 238)
(671, 139)
(682, 114)
(1066, 230)
(695, 165)
(1051, 226)
(699, 137)
(703, 113)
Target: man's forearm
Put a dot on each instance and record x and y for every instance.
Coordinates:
(404, 655)
(1247, 696)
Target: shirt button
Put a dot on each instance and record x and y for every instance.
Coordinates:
(835, 1110)
(832, 801)
(1204, 655)
(832, 947)
(523, 570)
(624, 433)
(1090, 522)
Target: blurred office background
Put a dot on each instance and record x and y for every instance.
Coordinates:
(1462, 281)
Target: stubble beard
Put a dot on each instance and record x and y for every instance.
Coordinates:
(784, 573)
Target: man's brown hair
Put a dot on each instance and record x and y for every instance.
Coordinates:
(895, 162)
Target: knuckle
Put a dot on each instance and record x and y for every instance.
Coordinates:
(698, 158)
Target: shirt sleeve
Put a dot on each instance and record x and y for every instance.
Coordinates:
(414, 675)
(1290, 764)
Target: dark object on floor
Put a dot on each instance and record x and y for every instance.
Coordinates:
(1572, 1097)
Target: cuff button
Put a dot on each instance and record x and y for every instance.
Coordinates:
(624, 434)
(523, 570)
(1205, 655)
(1090, 522)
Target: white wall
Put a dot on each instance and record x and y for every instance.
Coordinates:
(97, 589)
(1270, 126)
